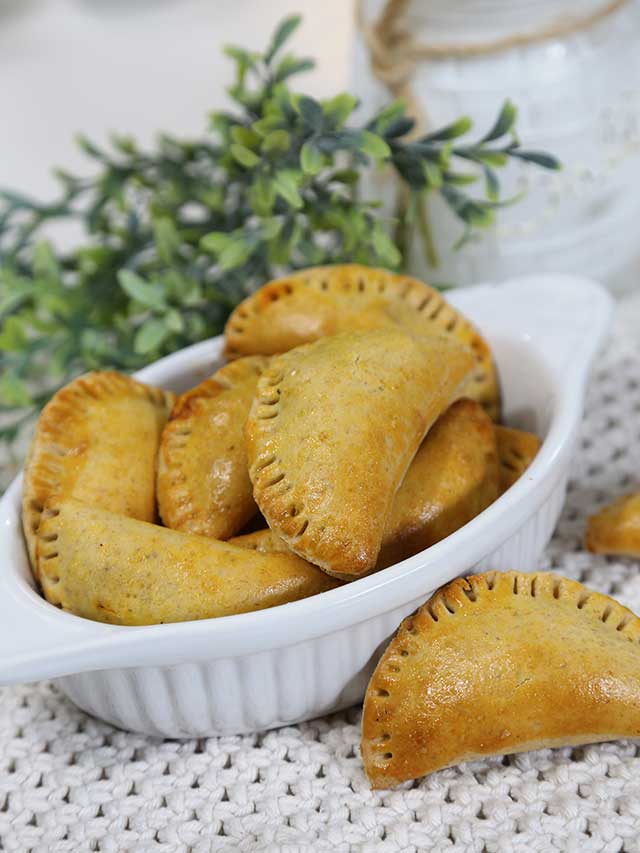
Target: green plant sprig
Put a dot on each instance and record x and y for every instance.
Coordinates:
(176, 237)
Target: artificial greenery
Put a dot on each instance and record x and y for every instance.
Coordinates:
(174, 238)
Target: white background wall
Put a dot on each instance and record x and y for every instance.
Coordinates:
(135, 66)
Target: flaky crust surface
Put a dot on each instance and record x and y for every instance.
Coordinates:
(501, 663)
(332, 431)
(616, 528)
(452, 478)
(97, 441)
(203, 479)
(327, 300)
(516, 451)
(115, 569)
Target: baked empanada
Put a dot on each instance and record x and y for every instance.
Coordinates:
(501, 663)
(332, 431)
(115, 569)
(616, 528)
(516, 451)
(97, 441)
(312, 303)
(452, 478)
(203, 477)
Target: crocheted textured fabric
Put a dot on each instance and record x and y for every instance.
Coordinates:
(71, 783)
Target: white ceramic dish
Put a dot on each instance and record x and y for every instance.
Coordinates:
(260, 670)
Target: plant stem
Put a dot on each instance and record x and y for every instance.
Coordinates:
(401, 231)
(426, 234)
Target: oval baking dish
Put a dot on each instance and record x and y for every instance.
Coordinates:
(293, 662)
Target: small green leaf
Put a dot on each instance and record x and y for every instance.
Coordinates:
(277, 140)
(338, 109)
(168, 241)
(270, 228)
(491, 158)
(444, 158)
(244, 136)
(243, 57)
(311, 112)
(216, 242)
(286, 183)
(245, 156)
(148, 295)
(374, 146)
(451, 131)
(290, 66)
(174, 321)
(150, 335)
(283, 32)
(492, 184)
(432, 174)
(262, 195)
(264, 126)
(235, 254)
(388, 116)
(460, 179)
(385, 247)
(124, 144)
(503, 124)
(13, 336)
(399, 128)
(311, 160)
(89, 147)
(474, 213)
(540, 158)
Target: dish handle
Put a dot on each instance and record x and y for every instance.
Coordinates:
(36, 639)
(569, 314)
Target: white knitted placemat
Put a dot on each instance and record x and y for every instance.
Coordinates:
(71, 783)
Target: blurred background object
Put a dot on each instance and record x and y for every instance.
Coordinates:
(135, 67)
(573, 69)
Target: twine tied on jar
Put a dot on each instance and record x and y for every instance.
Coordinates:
(394, 52)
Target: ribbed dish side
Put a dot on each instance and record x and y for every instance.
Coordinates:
(522, 550)
(277, 687)
(239, 695)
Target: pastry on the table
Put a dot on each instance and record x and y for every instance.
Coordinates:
(120, 570)
(452, 478)
(97, 441)
(332, 431)
(616, 528)
(516, 450)
(320, 301)
(501, 663)
(203, 478)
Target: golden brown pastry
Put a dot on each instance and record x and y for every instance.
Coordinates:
(452, 478)
(332, 431)
(97, 441)
(320, 301)
(115, 569)
(203, 477)
(616, 528)
(501, 663)
(516, 450)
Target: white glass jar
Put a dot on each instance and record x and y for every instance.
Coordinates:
(578, 96)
